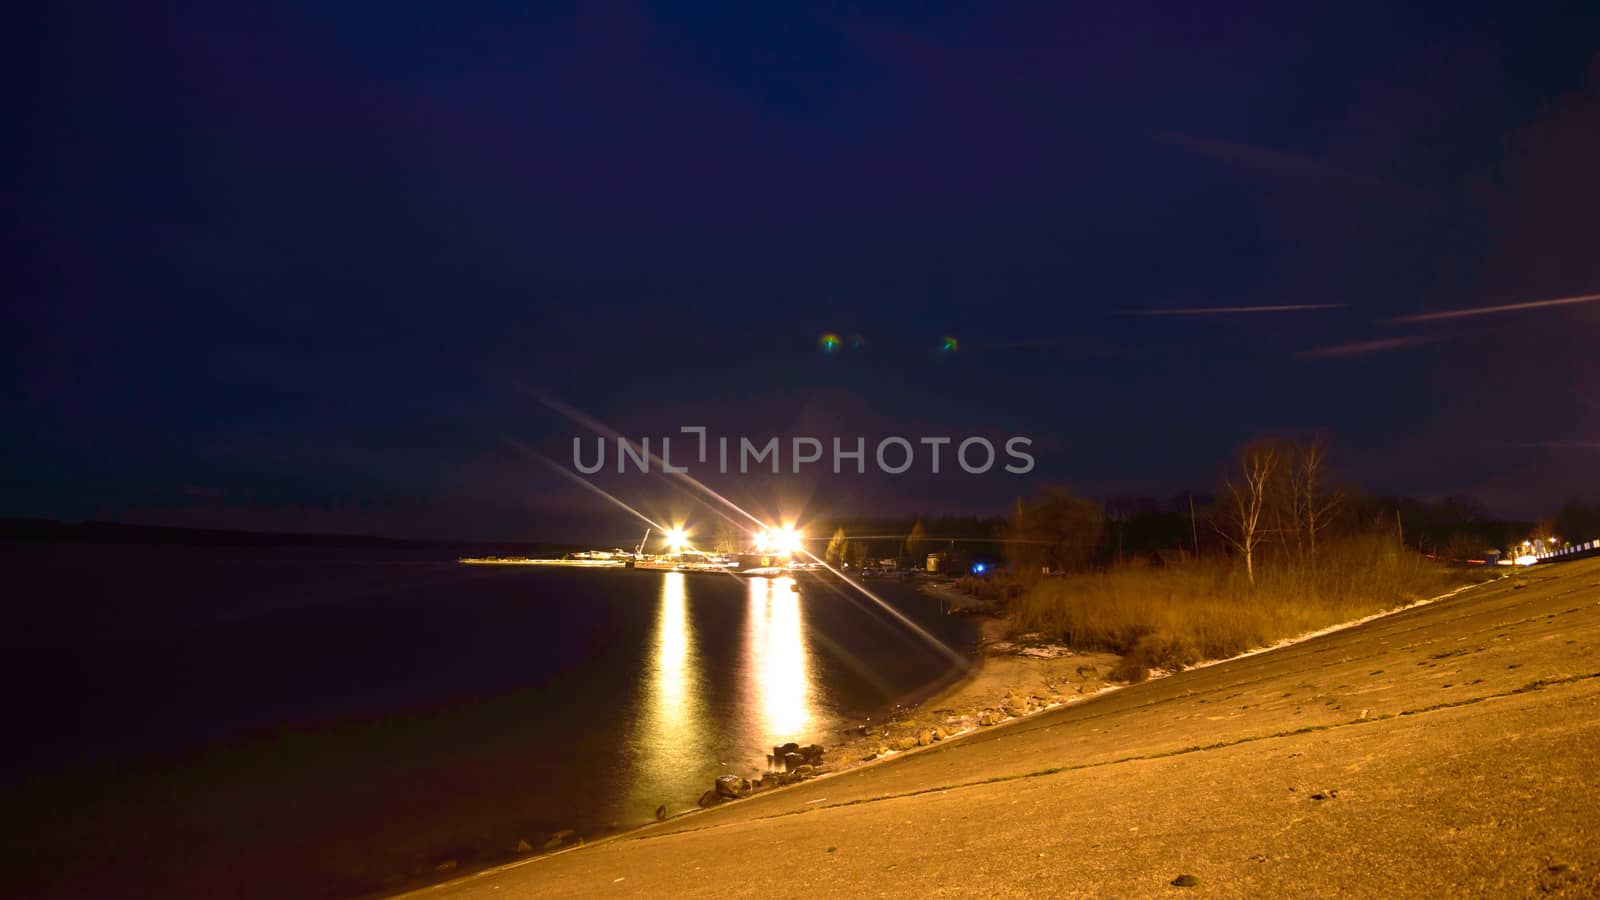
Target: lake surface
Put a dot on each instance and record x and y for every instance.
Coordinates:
(316, 722)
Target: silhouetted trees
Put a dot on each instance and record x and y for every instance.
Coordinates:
(910, 539)
(1059, 531)
(916, 542)
(1456, 527)
(1577, 522)
(1282, 504)
(836, 548)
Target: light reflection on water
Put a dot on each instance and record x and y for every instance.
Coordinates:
(680, 738)
(779, 677)
(672, 737)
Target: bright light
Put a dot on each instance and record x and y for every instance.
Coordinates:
(785, 541)
(677, 539)
(1527, 560)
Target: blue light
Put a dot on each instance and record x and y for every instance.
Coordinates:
(978, 568)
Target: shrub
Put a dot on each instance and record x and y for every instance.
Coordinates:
(1155, 651)
(995, 592)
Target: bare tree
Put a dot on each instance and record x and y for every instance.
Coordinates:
(1247, 491)
(1314, 504)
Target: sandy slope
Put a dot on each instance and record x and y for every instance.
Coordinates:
(1452, 748)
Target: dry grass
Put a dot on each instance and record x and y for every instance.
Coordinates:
(992, 593)
(1175, 615)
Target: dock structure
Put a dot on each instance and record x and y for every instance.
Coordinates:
(589, 563)
(652, 564)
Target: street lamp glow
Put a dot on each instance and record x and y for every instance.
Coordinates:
(786, 541)
(677, 539)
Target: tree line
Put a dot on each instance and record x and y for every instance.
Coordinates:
(1280, 502)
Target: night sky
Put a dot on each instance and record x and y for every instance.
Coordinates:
(310, 267)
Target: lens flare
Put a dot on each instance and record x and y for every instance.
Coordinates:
(677, 540)
(948, 344)
(786, 541)
(779, 541)
(829, 342)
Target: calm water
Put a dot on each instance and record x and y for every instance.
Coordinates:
(249, 722)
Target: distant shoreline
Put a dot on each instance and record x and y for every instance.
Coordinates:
(53, 531)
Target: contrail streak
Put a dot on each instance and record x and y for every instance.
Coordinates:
(1545, 445)
(1230, 310)
(1361, 348)
(1488, 310)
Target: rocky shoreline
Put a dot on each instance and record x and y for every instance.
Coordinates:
(1010, 678)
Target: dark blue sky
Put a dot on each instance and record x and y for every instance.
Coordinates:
(303, 267)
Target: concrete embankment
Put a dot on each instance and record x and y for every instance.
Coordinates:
(1447, 749)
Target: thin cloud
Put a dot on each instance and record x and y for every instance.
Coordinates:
(1272, 162)
(1544, 445)
(1362, 348)
(1489, 310)
(1230, 310)
(1083, 346)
